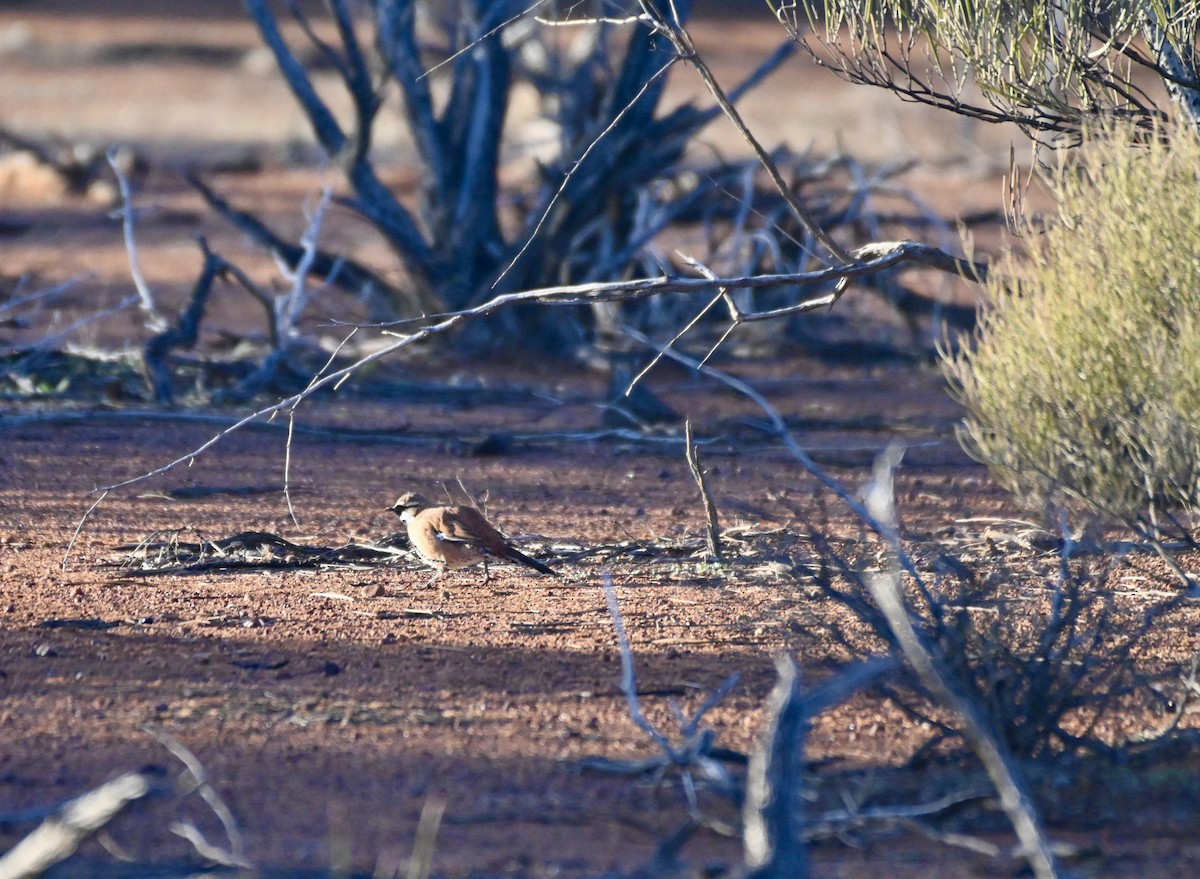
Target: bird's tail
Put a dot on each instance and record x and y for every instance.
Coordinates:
(514, 555)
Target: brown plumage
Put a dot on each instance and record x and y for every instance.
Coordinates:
(453, 537)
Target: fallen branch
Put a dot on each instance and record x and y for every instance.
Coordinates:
(164, 553)
(59, 836)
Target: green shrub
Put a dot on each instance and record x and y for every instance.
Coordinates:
(1082, 385)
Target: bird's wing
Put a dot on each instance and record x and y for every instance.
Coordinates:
(465, 525)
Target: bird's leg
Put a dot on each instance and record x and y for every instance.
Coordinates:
(487, 575)
(437, 575)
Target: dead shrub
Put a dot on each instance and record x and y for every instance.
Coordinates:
(1044, 658)
(607, 160)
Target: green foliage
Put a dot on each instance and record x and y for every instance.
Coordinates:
(1048, 66)
(1083, 383)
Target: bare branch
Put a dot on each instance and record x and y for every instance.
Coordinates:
(325, 125)
(420, 865)
(931, 671)
(713, 532)
(779, 426)
(291, 430)
(192, 834)
(395, 27)
(772, 813)
(145, 295)
(185, 333)
(722, 294)
(375, 200)
(691, 756)
(197, 781)
(57, 838)
(348, 274)
(886, 255)
(513, 19)
(616, 120)
(674, 30)
(289, 311)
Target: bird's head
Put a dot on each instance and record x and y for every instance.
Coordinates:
(409, 504)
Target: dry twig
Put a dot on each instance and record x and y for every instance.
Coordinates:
(713, 532)
(692, 756)
(57, 838)
(196, 781)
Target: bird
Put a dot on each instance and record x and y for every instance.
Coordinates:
(455, 536)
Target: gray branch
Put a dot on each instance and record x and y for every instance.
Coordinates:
(1180, 63)
(931, 670)
(58, 837)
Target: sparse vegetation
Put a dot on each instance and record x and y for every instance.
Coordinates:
(1044, 655)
